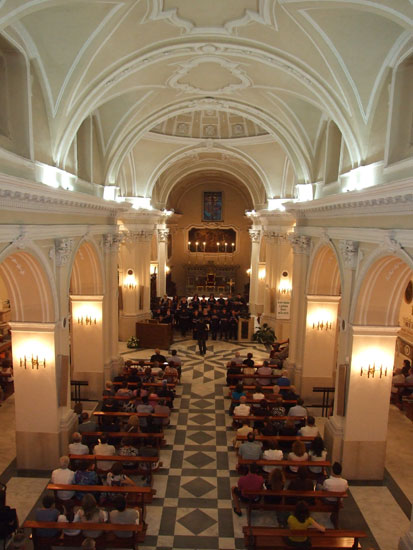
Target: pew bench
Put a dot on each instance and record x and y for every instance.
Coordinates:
(137, 461)
(259, 538)
(135, 496)
(158, 437)
(144, 385)
(108, 539)
(109, 414)
(317, 503)
(286, 463)
(251, 417)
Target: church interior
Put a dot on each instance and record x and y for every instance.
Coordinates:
(261, 148)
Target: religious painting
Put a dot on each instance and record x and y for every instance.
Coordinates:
(222, 241)
(212, 206)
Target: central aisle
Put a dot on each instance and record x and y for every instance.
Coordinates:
(193, 507)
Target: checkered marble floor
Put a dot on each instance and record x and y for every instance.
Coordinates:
(193, 507)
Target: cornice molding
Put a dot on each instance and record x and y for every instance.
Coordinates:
(18, 194)
(385, 200)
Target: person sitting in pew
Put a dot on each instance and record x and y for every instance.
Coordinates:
(124, 391)
(264, 371)
(108, 391)
(77, 447)
(127, 449)
(310, 429)
(242, 409)
(245, 429)
(116, 477)
(122, 514)
(298, 454)
(47, 513)
(258, 395)
(157, 356)
(250, 449)
(85, 475)
(249, 361)
(301, 520)
(301, 483)
(298, 410)
(64, 476)
(250, 480)
(271, 452)
(161, 408)
(90, 513)
(133, 424)
(144, 407)
(317, 453)
(231, 370)
(103, 448)
(148, 449)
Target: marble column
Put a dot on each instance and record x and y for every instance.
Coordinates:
(87, 342)
(39, 395)
(334, 428)
(368, 401)
(134, 257)
(111, 242)
(162, 234)
(301, 250)
(255, 235)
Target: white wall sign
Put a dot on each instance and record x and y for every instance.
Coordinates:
(283, 309)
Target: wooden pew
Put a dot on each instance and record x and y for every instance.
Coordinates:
(138, 460)
(286, 463)
(270, 401)
(264, 389)
(158, 436)
(278, 438)
(258, 538)
(317, 503)
(145, 385)
(256, 366)
(136, 496)
(107, 540)
(250, 418)
(102, 414)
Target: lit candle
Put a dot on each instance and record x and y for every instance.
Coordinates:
(218, 246)
(204, 245)
(226, 244)
(233, 245)
(189, 246)
(196, 246)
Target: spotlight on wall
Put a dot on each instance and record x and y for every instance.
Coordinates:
(284, 286)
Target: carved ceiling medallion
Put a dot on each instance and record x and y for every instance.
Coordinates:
(222, 76)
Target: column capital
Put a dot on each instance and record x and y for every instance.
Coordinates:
(162, 235)
(142, 236)
(255, 235)
(111, 242)
(62, 251)
(349, 253)
(274, 236)
(300, 243)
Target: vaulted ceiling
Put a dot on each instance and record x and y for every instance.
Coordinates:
(240, 77)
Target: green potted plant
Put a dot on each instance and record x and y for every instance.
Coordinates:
(265, 335)
(133, 342)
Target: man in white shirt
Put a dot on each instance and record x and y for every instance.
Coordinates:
(103, 448)
(298, 410)
(64, 476)
(77, 447)
(244, 430)
(335, 482)
(310, 429)
(242, 409)
(258, 395)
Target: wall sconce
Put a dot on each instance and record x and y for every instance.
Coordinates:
(323, 325)
(87, 320)
(34, 362)
(130, 281)
(372, 370)
(167, 269)
(285, 286)
(261, 273)
(249, 272)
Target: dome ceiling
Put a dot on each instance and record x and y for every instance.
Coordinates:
(213, 70)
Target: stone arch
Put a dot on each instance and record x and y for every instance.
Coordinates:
(381, 286)
(324, 274)
(28, 282)
(86, 276)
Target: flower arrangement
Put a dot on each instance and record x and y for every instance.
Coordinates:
(133, 342)
(265, 335)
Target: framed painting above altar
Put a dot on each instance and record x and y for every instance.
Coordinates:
(220, 241)
(212, 206)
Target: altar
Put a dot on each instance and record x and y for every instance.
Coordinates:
(211, 278)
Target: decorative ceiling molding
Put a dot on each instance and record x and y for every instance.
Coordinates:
(233, 69)
(263, 15)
